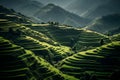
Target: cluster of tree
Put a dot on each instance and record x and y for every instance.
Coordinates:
(53, 23)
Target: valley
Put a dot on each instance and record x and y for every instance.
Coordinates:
(52, 43)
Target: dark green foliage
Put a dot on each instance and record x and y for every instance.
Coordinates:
(77, 39)
(46, 41)
(99, 62)
(57, 58)
(20, 64)
(101, 41)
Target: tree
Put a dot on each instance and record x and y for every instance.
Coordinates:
(11, 30)
(101, 41)
(18, 32)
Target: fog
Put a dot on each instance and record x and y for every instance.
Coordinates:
(62, 3)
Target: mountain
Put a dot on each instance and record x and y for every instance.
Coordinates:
(106, 24)
(82, 7)
(110, 7)
(55, 13)
(26, 7)
(61, 3)
(53, 51)
(40, 13)
(13, 16)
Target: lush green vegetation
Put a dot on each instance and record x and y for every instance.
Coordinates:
(77, 39)
(101, 61)
(42, 47)
(18, 63)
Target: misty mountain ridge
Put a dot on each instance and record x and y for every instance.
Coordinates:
(40, 13)
(55, 13)
(106, 23)
(82, 7)
(111, 7)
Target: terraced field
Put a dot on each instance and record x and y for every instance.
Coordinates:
(33, 40)
(89, 39)
(20, 64)
(13, 67)
(43, 49)
(78, 39)
(46, 44)
(101, 61)
(115, 37)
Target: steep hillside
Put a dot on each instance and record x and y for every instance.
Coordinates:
(77, 39)
(18, 63)
(35, 41)
(106, 24)
(101, 62)
(55, 13)
(13, 16)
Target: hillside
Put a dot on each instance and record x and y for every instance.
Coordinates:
(55, 13)
(106, 24)
(18, 63)
(116, 37)
(77, 39)
(53, 51)
(100, 62)
(32, 40)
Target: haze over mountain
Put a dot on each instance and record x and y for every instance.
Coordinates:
(55, 13)
(61, 3)
(82, 7)
(45, 13)
(110, 7)
(106, 24)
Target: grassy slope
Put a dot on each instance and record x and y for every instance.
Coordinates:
(101, 61)
(18, 63)
(32, 40)
(116, 37)
(69, 36)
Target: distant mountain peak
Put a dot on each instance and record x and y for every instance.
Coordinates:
(51, 4)
(52, 12)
